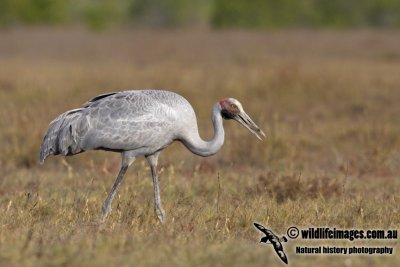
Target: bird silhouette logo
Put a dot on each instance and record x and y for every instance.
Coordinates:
(274, 240)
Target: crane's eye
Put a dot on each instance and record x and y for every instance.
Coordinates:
(232, 106)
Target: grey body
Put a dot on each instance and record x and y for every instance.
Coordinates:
(144, 121)
(138, 123)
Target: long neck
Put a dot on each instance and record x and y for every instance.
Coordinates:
(207, 148)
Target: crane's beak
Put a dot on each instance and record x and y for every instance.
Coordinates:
(247, 122)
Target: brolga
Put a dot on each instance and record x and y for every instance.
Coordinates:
(138, 123)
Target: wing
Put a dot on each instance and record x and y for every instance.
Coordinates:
(99, 97)
(260, 227)
(279, 250)
(266, 231)
(145, 119)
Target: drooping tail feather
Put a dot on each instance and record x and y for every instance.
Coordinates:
(61, 136)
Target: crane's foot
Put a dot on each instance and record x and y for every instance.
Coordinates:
(160, 214)
(103, 218)
(106, 209)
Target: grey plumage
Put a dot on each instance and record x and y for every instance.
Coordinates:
(116, 121)
(60, 137)
(138, 123)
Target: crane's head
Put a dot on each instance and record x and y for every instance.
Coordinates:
(232, 109)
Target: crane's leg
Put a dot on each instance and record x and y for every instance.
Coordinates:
(127, 160)
(153, 160)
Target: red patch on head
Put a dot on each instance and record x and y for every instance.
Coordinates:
(223, 101)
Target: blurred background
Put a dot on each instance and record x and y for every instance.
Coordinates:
(261, 14)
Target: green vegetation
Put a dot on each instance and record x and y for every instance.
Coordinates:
(99, 14)
(336, 13)
(33, 12)
(331, 158)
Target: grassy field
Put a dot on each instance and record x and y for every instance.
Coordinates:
(327, 100)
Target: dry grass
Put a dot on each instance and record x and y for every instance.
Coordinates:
(328, 102)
